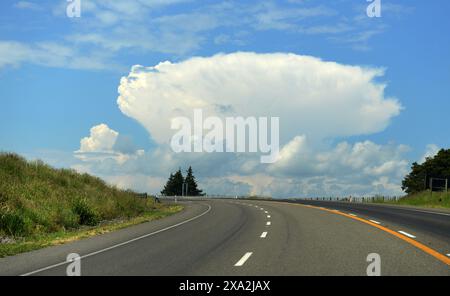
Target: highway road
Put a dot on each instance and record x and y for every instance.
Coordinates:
(249, 237)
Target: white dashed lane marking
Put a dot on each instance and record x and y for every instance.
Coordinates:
(268, 223)
(264, 234)
(243, 259)
(376, 222)
(407, 234)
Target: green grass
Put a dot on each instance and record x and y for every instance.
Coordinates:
(425, 199)
(51, 239)
(41, 205)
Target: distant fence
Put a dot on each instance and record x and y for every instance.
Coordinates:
(358, 199)
(142, 195)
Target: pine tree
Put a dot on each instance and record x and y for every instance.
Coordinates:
(193, 189)
(167, 191)
(174, 184)
(177, 183)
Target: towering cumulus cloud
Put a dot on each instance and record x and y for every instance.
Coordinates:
(317, 102)
(312, 97)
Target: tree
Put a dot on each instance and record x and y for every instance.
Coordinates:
(178, 180)
(174, 184)
(437, 167)
(167, 191)
(192, 189)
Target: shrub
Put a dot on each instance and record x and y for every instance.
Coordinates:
(86, 214)
(13, 224)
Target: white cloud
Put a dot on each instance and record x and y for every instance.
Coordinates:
(109, 28)
(431, 151)
(312, 97)
(317, 102)
(27, 5)
(101, 139)
(49, 54)
(105, 143)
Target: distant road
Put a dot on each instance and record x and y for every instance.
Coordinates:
(246, 237)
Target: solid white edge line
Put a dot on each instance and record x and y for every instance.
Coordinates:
(407, 234)
(243, 259)
(268, 223)
(119, 245)
(427, 212)
(264, 234)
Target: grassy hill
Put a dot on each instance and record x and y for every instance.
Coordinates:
(40, 204)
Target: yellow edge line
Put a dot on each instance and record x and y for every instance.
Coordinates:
(416, 244)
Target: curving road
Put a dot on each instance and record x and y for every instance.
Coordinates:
(246, 237)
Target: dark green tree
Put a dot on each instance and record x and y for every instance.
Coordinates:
(178, 180)
(193, 189)
(174, 184)
(437, 166)
(168, 188)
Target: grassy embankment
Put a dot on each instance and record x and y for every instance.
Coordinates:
(424, 199)
(41, 206)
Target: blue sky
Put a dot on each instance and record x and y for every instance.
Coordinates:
(59, 76)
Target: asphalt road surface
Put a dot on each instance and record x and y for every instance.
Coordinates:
(247, 237)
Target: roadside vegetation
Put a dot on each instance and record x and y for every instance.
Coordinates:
(427, 183)
(423, 199)
(42, 206)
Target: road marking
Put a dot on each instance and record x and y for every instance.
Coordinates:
(243, 259)
(407, 234)
(268, 223)
(264, 234)
(376, 222)
(262, 209)
(352, 215)
(424, 248)
(268, 216)
(448, 255)
(121, 244)
(266, 212)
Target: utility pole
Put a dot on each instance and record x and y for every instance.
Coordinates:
(446, 188)
(184, 189)
(431, 187)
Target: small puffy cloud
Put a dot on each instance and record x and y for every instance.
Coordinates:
(101, 139)
(105, 143)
